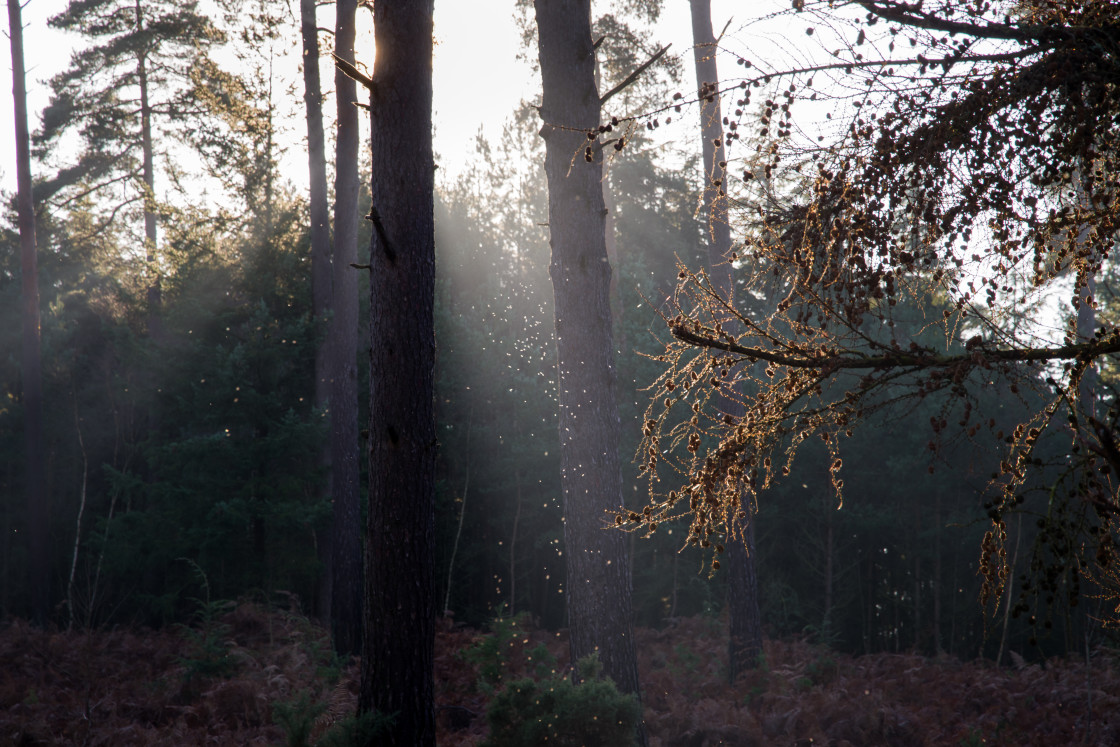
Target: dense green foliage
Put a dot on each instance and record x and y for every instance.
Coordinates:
(556, 710)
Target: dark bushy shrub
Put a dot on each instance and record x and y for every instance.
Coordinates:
(556, 711)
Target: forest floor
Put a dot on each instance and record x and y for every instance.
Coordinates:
(244, 675)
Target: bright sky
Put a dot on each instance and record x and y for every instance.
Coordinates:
(478, 79)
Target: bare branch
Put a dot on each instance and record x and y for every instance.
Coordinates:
(909, 15)
(353, 73)
(901, 358)
(634, 75)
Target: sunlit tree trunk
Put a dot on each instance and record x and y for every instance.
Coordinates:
(155, 292)
(399, 634)
(38, 514)
(745, 640)
(342, 333)
(598, 565)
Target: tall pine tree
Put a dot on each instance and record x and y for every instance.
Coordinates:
(118, 96)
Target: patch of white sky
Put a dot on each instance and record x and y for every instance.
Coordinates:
(481, 72)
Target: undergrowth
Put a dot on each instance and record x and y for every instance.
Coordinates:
(126, 687)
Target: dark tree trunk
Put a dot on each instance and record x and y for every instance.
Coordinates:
(745, 640)
(598, 565)
(320, 257)
(346, 539)
(31, 366)
(397, 675)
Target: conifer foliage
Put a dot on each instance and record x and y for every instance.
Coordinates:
(120, 94)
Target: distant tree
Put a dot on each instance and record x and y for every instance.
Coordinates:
(342, 345)
(35, 480)
(399, 636)
(599, 584)
(974, 177)
(134, 73)
(321, 286)
(238, 121)
(745, 639)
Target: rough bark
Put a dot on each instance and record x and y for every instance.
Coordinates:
(38, 514)
(745, 639)
(598, 565)
(397, 675)
(346, 539)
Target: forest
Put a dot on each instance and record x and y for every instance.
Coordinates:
(725, 398)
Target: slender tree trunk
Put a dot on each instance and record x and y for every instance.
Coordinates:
(320, 261)
(917, 601)
(869, 633)
(1009, 591)
(77, 523)
(38, 514)
(513, 541)
(462, 517)
(937, 646)
(826, 624)
(151, 255)
(745, 639)
(953, 611)
(1086, 312)
(399, 636)
(917, 512)
(342, 332)
(598, 565)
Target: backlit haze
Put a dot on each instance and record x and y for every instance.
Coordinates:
(478, 78)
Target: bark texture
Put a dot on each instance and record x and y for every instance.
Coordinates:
(397, 676)
(745, 640)
(598, 565)
(31, 362)
(342, 334)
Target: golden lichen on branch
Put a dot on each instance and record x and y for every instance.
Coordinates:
(914, 256)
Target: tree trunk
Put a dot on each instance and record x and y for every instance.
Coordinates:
(38, 515)
(1086, 310)
(397, 668)
(342, 332)
(937, 575)
(155, 292)
(462, 517)
(320, 257)
(745, 639)
(598, 565)
(826, 623)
